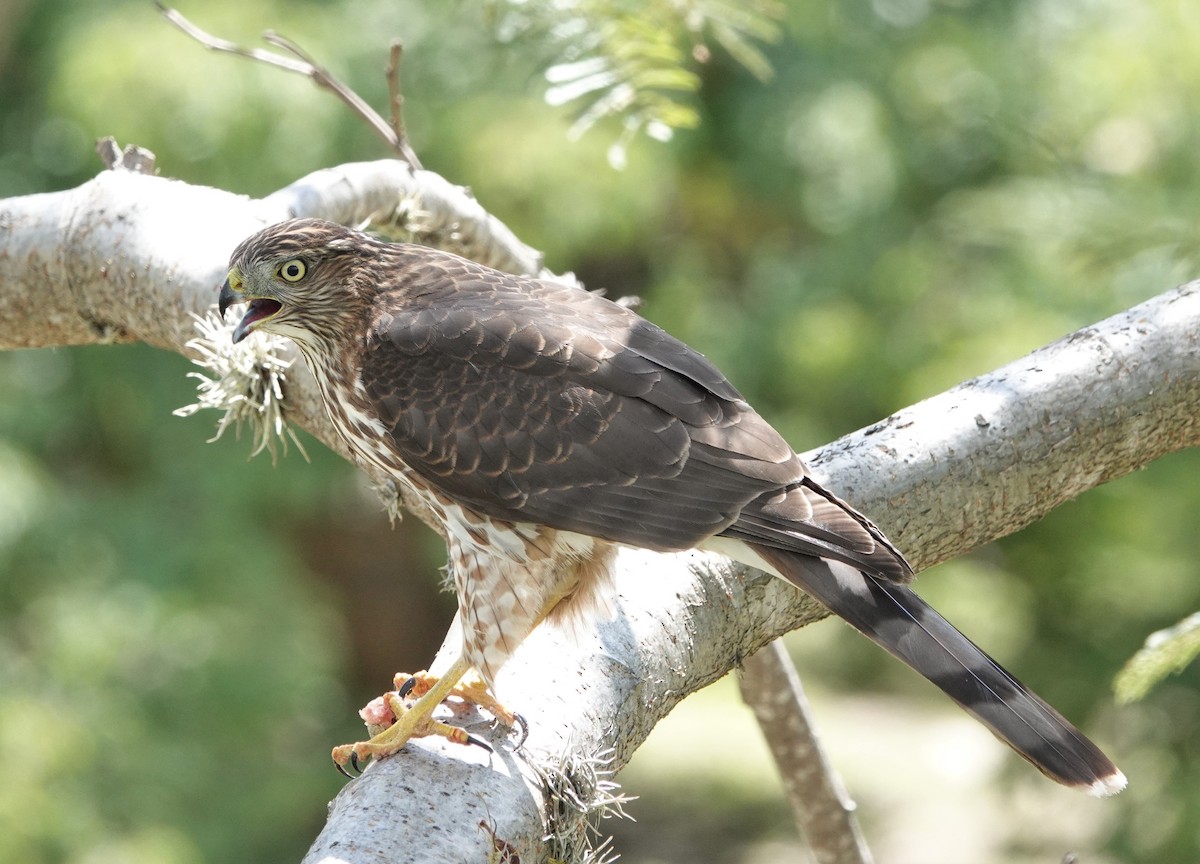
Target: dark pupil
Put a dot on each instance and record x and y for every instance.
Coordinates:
(293, 270)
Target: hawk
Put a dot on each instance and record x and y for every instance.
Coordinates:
(545, 426)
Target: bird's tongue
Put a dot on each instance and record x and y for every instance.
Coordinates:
(258, 310)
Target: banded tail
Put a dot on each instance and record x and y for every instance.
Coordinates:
(897, 619)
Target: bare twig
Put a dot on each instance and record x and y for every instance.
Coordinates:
(395, 99)
(304, 64)
(215, 44)
(391, 133)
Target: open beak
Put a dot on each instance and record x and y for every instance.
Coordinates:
(260, 309)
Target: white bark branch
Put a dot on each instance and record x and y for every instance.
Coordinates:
(127, 257)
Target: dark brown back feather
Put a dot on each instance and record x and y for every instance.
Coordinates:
(531, 401)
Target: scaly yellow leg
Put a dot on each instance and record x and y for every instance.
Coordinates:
(470, 688)
(414, 722)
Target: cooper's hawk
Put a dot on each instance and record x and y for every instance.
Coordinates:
(543, 425)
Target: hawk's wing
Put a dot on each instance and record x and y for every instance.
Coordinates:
(535, 402)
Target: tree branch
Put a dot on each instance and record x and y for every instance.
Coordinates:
(1000, 451)
(823, 810)
(128, 256)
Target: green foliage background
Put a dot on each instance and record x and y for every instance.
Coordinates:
(925, 189)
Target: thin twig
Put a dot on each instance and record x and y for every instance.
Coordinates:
(305, 65)
(395, 99)
(214, 44)
(395, 139)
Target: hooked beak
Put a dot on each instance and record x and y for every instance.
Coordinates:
(228, 296)
(261, 308)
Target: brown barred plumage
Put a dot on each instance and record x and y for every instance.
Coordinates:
(544, 424)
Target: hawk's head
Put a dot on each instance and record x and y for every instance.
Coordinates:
(299, 277)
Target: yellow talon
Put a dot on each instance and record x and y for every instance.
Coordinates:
(417, 721)
(471, 688)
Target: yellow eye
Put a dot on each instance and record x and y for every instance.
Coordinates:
(292, 271)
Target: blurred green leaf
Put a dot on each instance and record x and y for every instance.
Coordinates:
(736, 26)
(1166, 652)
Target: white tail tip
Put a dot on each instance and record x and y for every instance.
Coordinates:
(1106, 786)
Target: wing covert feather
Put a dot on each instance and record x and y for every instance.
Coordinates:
(531, 401)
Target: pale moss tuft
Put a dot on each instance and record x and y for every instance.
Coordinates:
(245, 382)
(579, 792)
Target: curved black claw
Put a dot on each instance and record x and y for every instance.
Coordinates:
(479, 742)
(520, 721)
(342, 768)
(406, 688)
